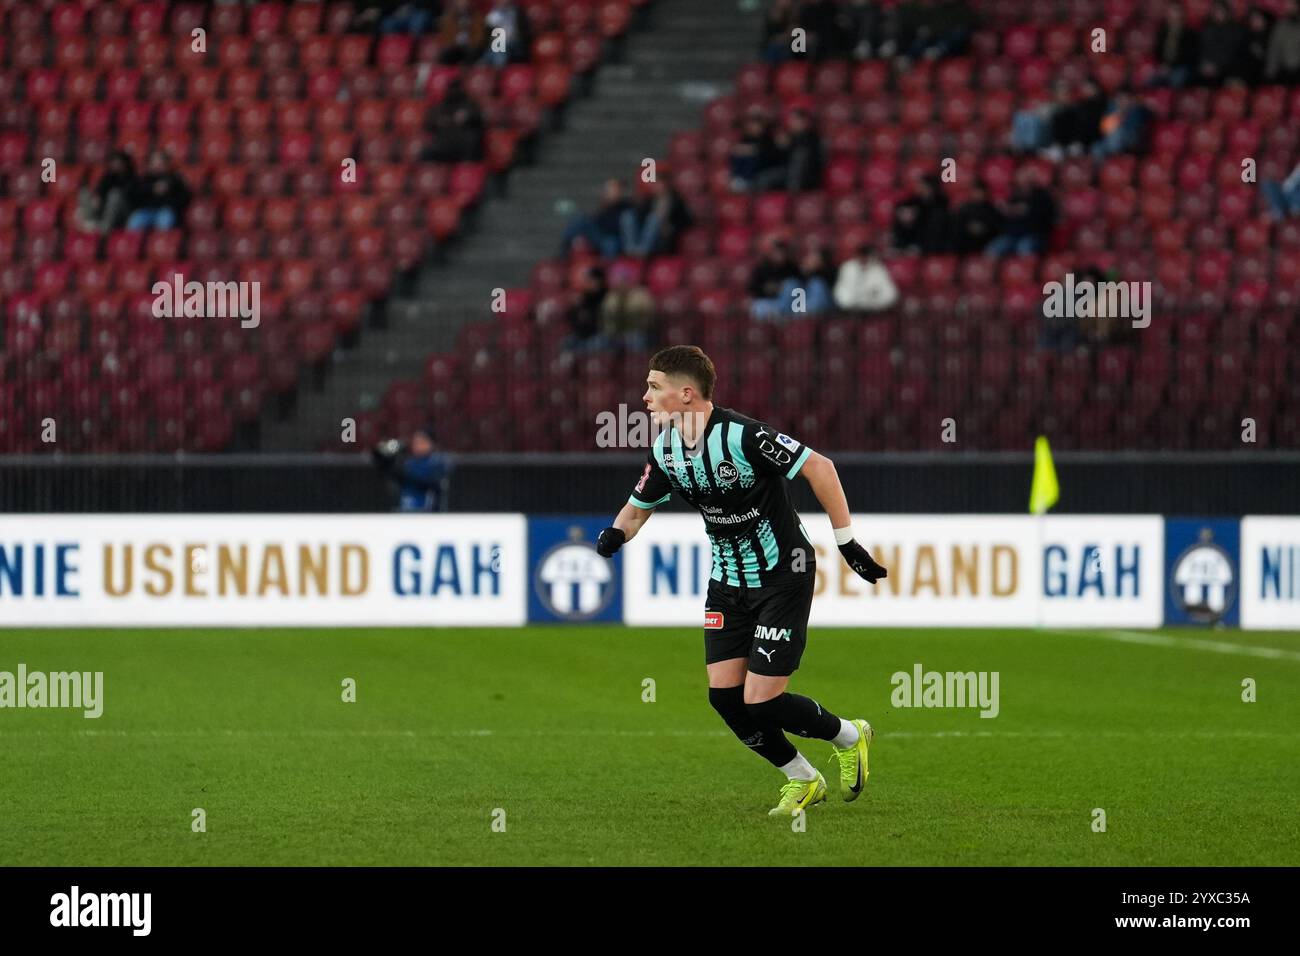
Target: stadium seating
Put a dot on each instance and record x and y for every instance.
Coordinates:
(259, 122)
(965, 340)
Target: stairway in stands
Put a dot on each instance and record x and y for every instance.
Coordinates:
(677, 57)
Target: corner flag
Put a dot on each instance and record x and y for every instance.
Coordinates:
(1045, 491)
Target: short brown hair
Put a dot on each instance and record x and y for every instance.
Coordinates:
(688, 360)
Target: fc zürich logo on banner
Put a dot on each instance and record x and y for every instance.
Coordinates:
(572, 580)
(1203, 583)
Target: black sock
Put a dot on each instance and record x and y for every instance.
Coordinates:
(805, 717)
(769, 743)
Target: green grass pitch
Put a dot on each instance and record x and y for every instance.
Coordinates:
(548, 725)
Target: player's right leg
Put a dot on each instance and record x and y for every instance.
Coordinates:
(728, 635)
(781, 614)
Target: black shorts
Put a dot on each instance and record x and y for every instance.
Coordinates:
(768, 626)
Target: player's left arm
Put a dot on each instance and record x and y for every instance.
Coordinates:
(825, 482)
(776, 453)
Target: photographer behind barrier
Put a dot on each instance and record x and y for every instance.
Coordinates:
(420, 472)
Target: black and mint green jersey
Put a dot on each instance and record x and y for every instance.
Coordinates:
(735, 477)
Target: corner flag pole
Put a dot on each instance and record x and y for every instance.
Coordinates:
(1044, 492)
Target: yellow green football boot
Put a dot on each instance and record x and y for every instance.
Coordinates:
(853, 762)
(799, 795)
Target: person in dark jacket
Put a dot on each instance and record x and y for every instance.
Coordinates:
(1124, 127)
(921, 221)
(755, 155)
(1077, 126)
(457, 127)
(509, 17)
(1028, 217)
(774, 267)
(107, 206)
(1176, 50)
(160, 196)
(801, 152)
(421, 473)
(778, 27)
(1253, 59)
(1219, 47)
(656, 221)
(977, 221)
(586, 315)
(603, 229)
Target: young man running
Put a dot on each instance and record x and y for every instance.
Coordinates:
(733, 470)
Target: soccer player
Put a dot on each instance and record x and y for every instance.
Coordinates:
(733, 470)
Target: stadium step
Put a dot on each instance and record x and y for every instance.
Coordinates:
(691, 51)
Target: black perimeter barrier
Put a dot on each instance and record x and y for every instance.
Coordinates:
(1222, 484)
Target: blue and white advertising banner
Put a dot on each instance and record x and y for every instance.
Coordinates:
(944, 570)
(1270, 572)
(249, 570)
(396, 570)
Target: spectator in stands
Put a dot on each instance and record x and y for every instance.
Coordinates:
(802, 156)
(755, 154)
(627, 312)
(1076, 126)
(938, 29)
(456, 125)
(107, 206)
(817, 262)
(656, 220)
(1219, 46)
(921, 221)
(420, 472)
(1283, 198)
(1028, 217)
(778, 28)
(395, 16)
(463, 33)
(1283, 65)
(1031, 128)
(1254, 48)
(1176, 49)
(1124, 128)
(864, 283)
(585, 316)
(603, 230)
(820, 21)
(1060, 333)
(863, 23)
(774, 267)
(509, 17)
(1097, 326)
(977, 221)
(160, 196)
(902, 24)
(805, 293)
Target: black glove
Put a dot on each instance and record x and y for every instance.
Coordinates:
(610, 540)
(863, 564)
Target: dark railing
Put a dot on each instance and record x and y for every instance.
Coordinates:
(1091, 483)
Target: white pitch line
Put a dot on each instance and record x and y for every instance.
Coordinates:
(1193, 643)
(883, 735)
